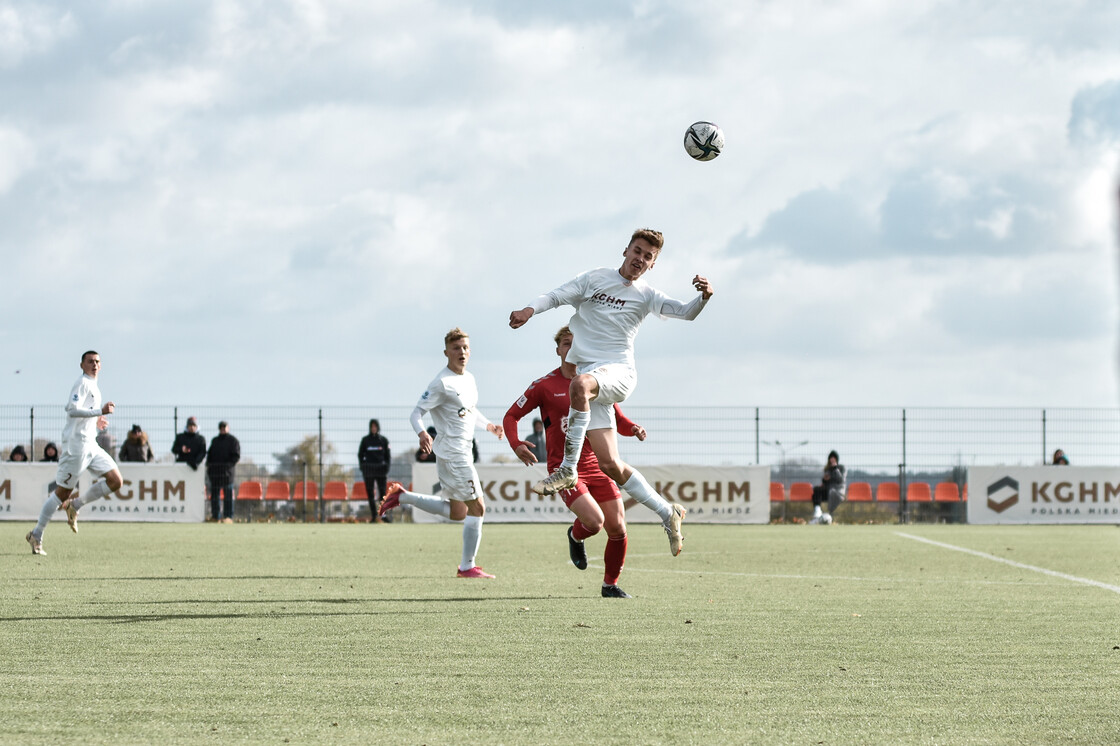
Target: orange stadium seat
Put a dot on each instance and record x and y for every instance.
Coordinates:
(306, 491)
(859, 492)
(887, 492)
(918, 492)
(947, 492)
(778, 496)
(250, 492)
(800, 492)
(277, 492)
(334, 491)
(359, 492)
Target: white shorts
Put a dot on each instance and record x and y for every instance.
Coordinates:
(458, 480)
(70, 465)
(616, 382)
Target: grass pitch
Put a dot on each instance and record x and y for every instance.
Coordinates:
(274, 633)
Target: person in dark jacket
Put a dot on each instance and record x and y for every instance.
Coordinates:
(50, 452)
(225, 452)
(136, 447)
(189, 446)
(373, 459)
(18, 454)
(833, 489)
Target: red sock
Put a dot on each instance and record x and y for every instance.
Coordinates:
(614, 557)
(581, 532)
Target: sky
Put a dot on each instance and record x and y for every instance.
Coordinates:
(290, 202)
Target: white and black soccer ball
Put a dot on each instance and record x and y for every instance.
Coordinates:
(826, 519)
(703, 141)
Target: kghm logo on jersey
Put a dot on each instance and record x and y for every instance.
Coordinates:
(608, 300)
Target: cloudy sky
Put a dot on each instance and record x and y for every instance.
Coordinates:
(291, 202)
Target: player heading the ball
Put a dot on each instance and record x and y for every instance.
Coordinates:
(610, 305)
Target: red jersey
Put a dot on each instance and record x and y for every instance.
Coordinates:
(550, 394)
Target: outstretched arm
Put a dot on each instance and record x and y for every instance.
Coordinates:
(674, 309)
(568, 294)
(626, 426)
(517, 319)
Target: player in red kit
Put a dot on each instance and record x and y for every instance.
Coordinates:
(595, 498)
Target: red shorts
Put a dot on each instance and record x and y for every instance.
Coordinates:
(599, 485)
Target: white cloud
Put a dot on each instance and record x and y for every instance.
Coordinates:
(17, 156)
(904, 185)
(30, 29)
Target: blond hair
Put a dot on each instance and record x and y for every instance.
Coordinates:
(564, 332)
(454, 336)
(650, 236)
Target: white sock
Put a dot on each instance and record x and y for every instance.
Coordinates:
(573, 441)
(426, 503)
(816, 511)
(472, 538)
(639, 489)
(50, 507)
(97, 490)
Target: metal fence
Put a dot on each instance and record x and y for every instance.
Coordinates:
(876, 443)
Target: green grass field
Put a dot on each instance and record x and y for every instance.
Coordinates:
(342, 633)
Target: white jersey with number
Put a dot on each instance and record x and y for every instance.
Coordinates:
(452, 400)
(82, 410)
(609, 311)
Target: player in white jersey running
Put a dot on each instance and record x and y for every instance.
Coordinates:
(85, 415)
(452, 401)
(610, 307)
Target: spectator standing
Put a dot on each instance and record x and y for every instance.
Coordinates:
(536, 441)
(374, 458)
(833, 489)
(136, 447)
(225, 452)
(50, 452)
(18, 454)
(189, 446)
(1060, 458)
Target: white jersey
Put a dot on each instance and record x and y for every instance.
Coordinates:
(452, 400)
(82, 410)
(609, 311)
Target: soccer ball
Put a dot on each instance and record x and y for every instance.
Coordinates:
(826, 519)
(703, 141)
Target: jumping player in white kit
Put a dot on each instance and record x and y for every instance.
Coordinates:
(85, 415)
(452, 400)
(610, 307)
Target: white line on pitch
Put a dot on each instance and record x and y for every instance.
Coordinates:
(781, 576)
(1013, 563)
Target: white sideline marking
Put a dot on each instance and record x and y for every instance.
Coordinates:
(1013, 563)
(783, 576)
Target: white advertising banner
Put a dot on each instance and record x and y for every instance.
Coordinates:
(151, 492)
(1043, 494)
(711, 494)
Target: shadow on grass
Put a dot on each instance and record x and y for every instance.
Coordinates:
(280, 614)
